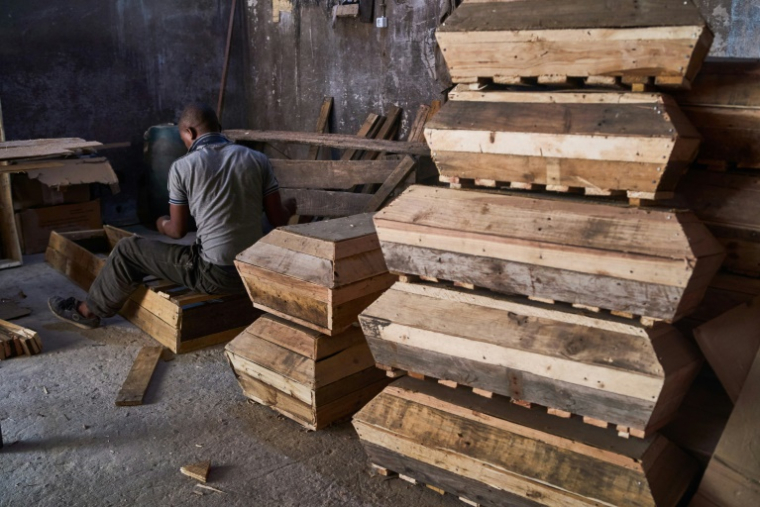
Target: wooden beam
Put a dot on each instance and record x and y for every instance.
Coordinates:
(387, 130)
(138, 379)
(324, 203)
(322, 124)
(332, 174)
(368, 129)
(417, 130)
(399, 174)
(341, 141)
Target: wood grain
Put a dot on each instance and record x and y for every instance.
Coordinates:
(138, 379)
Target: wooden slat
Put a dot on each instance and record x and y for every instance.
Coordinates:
(326, 203)
(333, 140)
(730, 343)
(387, 131)
(138, 379)
(10, 246)
(368, 129)
(330, 174)
(399, 174)
(731, 478)
(322, 124)
(15, 150)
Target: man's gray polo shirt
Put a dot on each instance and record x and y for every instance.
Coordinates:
(224, 184)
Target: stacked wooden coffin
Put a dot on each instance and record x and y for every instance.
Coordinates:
(307, 358)
(539, 328)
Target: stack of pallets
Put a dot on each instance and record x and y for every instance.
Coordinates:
(538, 327)
(307, 358)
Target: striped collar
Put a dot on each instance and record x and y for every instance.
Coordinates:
(208, 138)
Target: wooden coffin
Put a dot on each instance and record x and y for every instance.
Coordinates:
(320, 275)
(651, 262)
(637, 39)
(730, 343)
(603, 142)
(724, 105)
(729, 205)
(494, 453)
(601, 366)
(175, 316)
(731, 478)
(309, 377)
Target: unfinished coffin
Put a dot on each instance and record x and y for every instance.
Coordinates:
(662, 39)
(724, 105)
(178, 318)
(311, 378)
(729, 205)
(640, 143)
(591, 364)
(320, 275)
(651, 262)
(495, 453)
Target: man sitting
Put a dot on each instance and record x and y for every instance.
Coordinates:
(225, 187)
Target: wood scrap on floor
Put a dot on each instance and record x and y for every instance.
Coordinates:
(18, 341)
(137, 381)
(197, 471)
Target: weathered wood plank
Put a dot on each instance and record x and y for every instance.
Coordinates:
(332, 140)
(730, 343)
(399, 174)
(325, 203)
(322, 124)
(731, 478)
(330, 174)
(138, 379)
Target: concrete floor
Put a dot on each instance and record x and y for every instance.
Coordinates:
(66, 443)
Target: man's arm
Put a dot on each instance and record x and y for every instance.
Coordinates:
(278, 212)
(175, 226)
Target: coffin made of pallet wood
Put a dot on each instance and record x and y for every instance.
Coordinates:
(320, 275)
(729, 205)
(652, 262)
(662, 39)
(178, 318)
(639, 143)
(591, 364)
(495, 453)
(309, 377)
(724, 106)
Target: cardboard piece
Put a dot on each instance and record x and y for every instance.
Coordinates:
(37, 224)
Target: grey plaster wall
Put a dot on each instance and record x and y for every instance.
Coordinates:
(736, 24)
(109, 69)
(298, 59)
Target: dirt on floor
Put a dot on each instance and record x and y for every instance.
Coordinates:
(67, 444)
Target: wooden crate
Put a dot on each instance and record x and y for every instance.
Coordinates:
(729, 205)
(652, 262)
(591, 364)
(724, 105)
(637, 143)
(495, 453)
(663, 40)
(178, 318)
(307, 376)
(320, 275)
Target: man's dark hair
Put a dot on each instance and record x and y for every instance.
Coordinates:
(201, 117)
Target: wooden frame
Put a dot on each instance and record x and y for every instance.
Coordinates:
(176, 317)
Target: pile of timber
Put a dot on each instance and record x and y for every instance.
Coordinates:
(17, 341)
(308, 359)
(175, 316)
(549, 337)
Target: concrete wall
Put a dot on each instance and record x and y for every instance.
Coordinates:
(109, 69)
(298, 56)
(736, 24)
